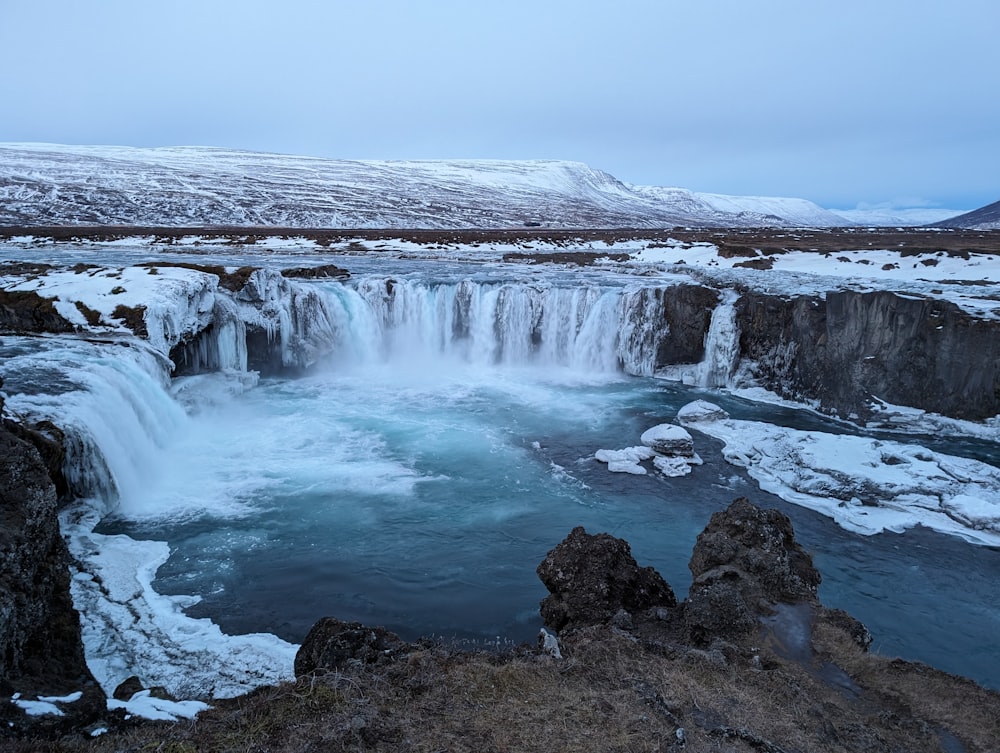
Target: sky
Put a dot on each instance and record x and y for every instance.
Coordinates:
(873, 103)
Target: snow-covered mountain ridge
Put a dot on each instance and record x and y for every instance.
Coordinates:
(46, 184)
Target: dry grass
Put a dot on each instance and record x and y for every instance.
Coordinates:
(765, 241)
(610, 693)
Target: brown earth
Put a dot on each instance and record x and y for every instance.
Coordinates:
(733, 242)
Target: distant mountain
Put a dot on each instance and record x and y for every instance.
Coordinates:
(984, 218)
(45, 184)
(896, 217)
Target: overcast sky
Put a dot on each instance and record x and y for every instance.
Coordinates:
(845, 103)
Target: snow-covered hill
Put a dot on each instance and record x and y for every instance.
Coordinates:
(889, 217)
(984, 218)
(44, 184)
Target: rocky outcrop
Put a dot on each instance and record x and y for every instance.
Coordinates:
(41, 651)
(26, 311)
(745, 561)
(322, 272)
(852, 349)
(332, 645)
(593, 579)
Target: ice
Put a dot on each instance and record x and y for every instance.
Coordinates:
(626, 460)
(675, 466)
(867, 485)
(130, 629)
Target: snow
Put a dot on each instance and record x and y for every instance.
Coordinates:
(45, 705)
(896, 216)
(149, 707)
(178, 302)
(805, 273)
(126, 624)
(187, 186)
(668, 434)
(866, 485)
(667, 445)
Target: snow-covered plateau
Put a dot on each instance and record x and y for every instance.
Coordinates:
(128, 345)
(47, 184)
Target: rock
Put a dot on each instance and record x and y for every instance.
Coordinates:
(41, 650)
(856, 629)
(591, 578)
(322, 272)
(670, 440)
(701, 411)
(333, 645)
(128, 688)
(745, 559)
(848, 346)
(26, 311)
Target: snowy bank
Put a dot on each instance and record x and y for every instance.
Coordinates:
(866, 485)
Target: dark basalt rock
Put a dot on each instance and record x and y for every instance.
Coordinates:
(28, 312)
(322, 272)
(333, 645)
(745, 560)
(591, 578)
(849, 346)
(683, 322)
(41, 651)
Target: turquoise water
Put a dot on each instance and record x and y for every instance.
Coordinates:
(422, 497)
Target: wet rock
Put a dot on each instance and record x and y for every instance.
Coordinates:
(591, 578)
(333, 645)
(128, 688)
(41, 650)
(322, 272)
(670, 440)
(745, 560)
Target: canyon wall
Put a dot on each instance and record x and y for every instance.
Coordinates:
(852, 349)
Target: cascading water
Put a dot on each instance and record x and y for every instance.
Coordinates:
(722, 345)
(590, 329)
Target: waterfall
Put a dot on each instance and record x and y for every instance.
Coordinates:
(591, 328)
(110, 399)
(722, 345)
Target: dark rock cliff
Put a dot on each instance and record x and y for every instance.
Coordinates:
(853, 349)
(41, 651)
(687, 314)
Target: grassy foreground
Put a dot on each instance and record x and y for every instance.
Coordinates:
(611, 691)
